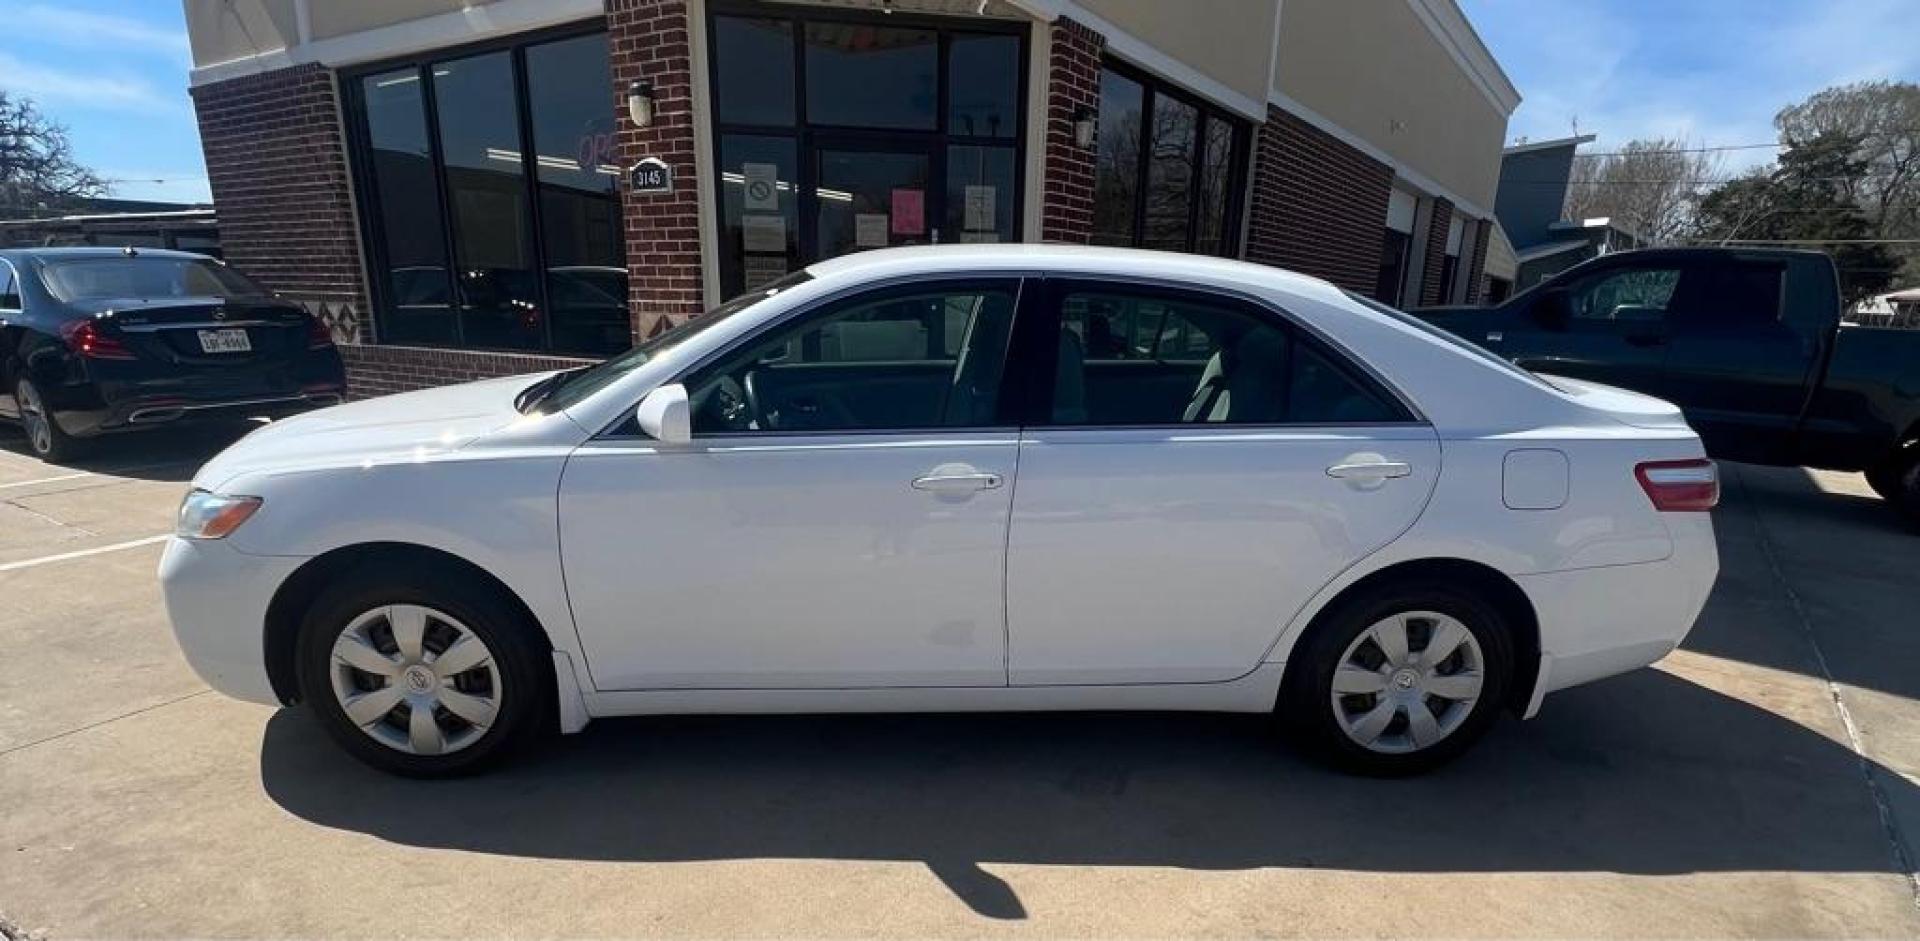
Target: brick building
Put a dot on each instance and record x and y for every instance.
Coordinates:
(451, 184)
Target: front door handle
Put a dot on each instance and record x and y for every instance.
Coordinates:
(957, 480)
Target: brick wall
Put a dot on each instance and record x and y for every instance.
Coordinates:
(1073, 82)
(383, 370)
(1436, 251)
(278, 169)
(1319, 206)
(648, 39)
(1477, 264)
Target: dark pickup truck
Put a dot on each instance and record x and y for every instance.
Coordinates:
(1747, 342)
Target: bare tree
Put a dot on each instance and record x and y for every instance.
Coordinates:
(1649, 187)
(37, 167)
(1885, 118)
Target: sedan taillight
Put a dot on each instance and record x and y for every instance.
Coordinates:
(87, 338)
(1680, 486)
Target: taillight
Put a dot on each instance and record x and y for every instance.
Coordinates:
(319, 335)
(87, 338)
(1680, 486)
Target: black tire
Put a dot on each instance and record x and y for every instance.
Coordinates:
(526, 698)
(1903, 483)
(1307, 707)
(45, 438)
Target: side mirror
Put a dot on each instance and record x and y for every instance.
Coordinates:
(1553, 308)
(665, 416)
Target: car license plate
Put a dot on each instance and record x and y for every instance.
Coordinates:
(225, 341)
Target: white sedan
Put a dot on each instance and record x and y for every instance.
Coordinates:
(965, 478)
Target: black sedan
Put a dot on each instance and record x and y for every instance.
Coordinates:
(97, 341)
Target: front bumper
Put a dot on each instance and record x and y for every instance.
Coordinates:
(217, 599)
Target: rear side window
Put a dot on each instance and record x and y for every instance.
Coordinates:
(9, 287)
(1145, 358)
(1742, 294)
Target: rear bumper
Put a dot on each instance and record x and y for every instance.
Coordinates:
(112, 397)
(1599, 622)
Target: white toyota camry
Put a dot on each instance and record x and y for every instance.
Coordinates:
(967, 478)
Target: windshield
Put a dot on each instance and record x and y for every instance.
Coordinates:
(1452, 339)
(144, 277)
(571, 388)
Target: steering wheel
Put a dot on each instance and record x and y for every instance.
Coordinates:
(731, 406)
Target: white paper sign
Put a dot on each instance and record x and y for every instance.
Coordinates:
(980, 208)
(761, 187)
(764, 233)
(764, 269)
(870, 230)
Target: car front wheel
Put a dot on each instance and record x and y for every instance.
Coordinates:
(1401, 682)
(423, 682)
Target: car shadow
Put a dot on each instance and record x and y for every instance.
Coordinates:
(1646, 774)
(170, 454)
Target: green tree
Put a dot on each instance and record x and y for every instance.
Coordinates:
(1885, 119)
(37, 167)
(1809, 198)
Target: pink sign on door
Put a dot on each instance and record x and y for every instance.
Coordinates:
(909, 211)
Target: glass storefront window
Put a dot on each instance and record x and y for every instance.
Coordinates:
(747, 51)
(576, 164)
(906, 133)
(983, 86)
(871, 76)
(1168, 170)
(405, 204)
(478, 237)
(1117, 162)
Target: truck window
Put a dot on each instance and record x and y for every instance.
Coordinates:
(1632, 294)
(1742, 295)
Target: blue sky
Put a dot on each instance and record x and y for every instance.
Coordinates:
(1713, 71)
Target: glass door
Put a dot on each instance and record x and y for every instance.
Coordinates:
(874, 194)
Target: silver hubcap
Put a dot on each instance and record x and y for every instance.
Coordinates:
(415, 679)
(1407, 682)
(34, 417)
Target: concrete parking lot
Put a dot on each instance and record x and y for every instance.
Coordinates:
(1763, 782)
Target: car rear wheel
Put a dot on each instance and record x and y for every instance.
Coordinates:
(44, 436)
(1400, 682)
(424, 682)
(1902, 483)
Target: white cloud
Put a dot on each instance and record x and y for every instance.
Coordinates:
(54, 88)
(99, 32)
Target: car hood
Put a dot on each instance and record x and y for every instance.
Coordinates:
(410, 426)
(1627, 408)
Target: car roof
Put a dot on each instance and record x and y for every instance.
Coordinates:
(93, 251)
(1066, 259)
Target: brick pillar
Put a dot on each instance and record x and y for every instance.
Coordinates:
(278, 170)
(1073, 82)
(649, 39)
(1319, 206)
(1436, 251)
(1477, 270)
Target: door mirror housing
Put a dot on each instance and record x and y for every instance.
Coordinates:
(1553, 308)
(665, 416)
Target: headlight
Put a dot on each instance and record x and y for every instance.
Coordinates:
(208, 515)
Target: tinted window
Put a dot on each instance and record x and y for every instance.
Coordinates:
(1739, 295)
(406, 204)
(144, 277)
(1139, 359)
(980, 193)
(480, 145)
(1393, 266)
(578, 173)
(1637, 294)
(1117, 163)
(9, 288)
(898, 360)
(759, 210)
(1170, 177)
(755, 59)
(983, 75)
(871, 76)
(1216, 170)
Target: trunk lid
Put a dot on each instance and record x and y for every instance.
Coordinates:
(1627, 408)
(205, 332)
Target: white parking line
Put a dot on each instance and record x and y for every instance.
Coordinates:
(81, 553)
(47, 480)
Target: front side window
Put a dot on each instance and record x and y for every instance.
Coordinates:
(896, 360)
(1635, 294)
(1146, 358)
(144, 277)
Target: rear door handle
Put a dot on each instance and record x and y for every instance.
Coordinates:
(1370, 470)
(944, 481)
